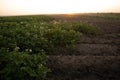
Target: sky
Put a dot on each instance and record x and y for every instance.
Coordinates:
(24, 7)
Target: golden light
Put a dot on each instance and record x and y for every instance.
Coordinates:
(13, 7)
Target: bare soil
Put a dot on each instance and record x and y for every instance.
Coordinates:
(95, 57)
(84, 67)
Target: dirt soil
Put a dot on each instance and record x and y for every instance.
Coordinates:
(95, 57)
(84, 67)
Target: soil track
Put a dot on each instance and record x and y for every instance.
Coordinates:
(96, 57)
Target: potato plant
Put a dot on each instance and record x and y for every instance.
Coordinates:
(22, 65)
(25, 41)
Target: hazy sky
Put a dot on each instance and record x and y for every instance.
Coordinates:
(19, 7)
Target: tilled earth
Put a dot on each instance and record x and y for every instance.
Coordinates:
(95, 57)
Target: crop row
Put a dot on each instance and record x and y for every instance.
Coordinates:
(25, 41)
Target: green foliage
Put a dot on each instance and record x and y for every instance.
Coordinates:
(86, 28)
(80, 27)
(36, 36)
(22, 65)
(18, 19)
(24, 40)
(61, 37)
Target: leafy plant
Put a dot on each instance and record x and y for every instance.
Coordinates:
(86, 28)
(22, 65)
(24, 41)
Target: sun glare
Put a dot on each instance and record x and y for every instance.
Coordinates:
(57, 6)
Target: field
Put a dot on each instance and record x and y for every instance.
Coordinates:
(60, 47)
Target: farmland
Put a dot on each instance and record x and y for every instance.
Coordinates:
(60, 47)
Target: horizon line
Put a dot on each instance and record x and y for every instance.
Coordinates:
(60, 14)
